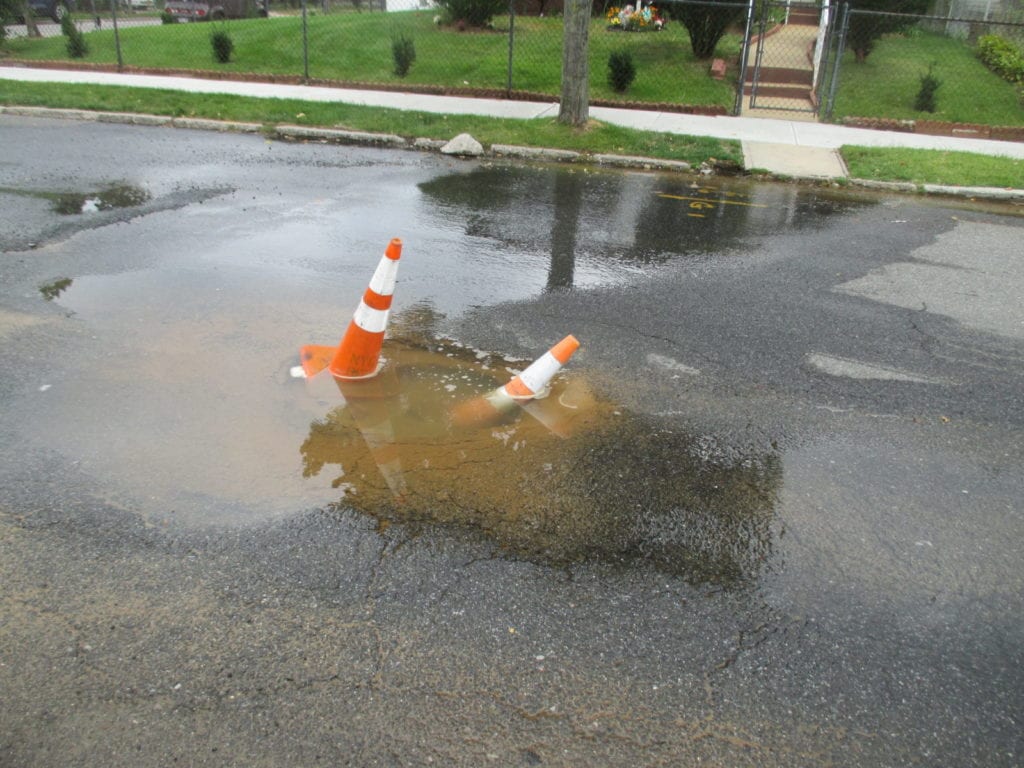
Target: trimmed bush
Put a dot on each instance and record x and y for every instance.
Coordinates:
(621, 71)
(222, 46)
(76, 45)
(925, 100)
(866, 29)
(705, 23)
(473, 13)
(167, 18)
(1002, 57)
(9, 11)
(403, 51)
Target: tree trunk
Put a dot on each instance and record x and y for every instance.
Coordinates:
(575, 104)
(31, 29)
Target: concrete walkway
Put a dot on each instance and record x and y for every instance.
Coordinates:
(792, 148)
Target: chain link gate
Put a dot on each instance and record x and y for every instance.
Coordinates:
(788, 49)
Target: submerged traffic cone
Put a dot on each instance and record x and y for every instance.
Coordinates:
(358, 354)
(529, 384)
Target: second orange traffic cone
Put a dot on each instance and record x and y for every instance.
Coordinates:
(358, 354)
(526, 386)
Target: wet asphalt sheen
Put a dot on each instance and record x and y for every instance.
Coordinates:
(768, 515)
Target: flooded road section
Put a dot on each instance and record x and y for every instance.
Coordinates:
(176, 394)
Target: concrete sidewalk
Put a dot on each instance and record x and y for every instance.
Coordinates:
(787, 147)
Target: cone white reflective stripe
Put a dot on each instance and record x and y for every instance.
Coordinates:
(374, 308)
(539, 373)
(383, 281)
(371, 320)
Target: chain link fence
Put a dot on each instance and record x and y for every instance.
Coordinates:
(517, 54)
(897, 71)
(829, 60)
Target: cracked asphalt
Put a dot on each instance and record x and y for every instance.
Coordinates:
(808, 432)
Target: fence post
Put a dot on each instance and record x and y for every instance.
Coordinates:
(117, 35)
(840, 49)
(305, 45)
(511, 43)
(737, 107)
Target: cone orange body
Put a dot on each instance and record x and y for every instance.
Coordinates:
(524, 387)
(358, 354)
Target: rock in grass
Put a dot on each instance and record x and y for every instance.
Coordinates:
(464, 145)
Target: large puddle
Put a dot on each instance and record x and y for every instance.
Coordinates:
(185, 428)
(176, 394)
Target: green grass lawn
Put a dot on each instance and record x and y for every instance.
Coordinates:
(924, 166)
(356, 47)
(598, 138)
(886, 84)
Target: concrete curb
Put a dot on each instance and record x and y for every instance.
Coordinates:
(215, 125)
(990, 193)
(300, 132)
(537, 153)
(887, 186)
(339, 136)
(647, 163)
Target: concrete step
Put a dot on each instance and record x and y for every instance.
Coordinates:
(782, 76)
(768, 91)
(805, 17)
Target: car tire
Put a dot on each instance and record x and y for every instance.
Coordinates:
(217, 16)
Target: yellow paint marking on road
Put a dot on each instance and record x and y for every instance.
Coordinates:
(706, 200)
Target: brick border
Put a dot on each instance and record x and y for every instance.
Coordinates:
(939, 128)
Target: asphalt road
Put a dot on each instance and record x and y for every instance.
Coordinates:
(787, 532)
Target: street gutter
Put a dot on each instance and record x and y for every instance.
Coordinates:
(363, 138)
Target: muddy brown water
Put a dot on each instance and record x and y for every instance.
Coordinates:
(563, 478)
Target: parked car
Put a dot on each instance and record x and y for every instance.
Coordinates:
(204, 10)
(50, 9)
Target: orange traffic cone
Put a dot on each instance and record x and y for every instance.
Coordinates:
(358, 354)
(529, 384)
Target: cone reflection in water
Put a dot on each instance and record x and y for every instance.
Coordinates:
(561, 412)
(528, 385)
(358, 354)
(371, 403)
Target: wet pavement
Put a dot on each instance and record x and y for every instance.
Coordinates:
(769, 513)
